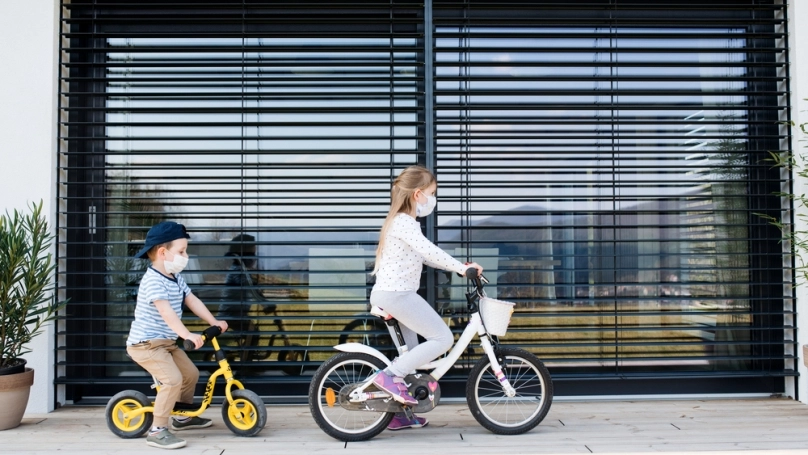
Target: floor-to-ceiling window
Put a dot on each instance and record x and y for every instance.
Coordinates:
(604, 161)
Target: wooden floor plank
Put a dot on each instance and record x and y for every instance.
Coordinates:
(709, 427)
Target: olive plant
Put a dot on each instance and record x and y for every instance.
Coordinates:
(27, 300)
(798, 239)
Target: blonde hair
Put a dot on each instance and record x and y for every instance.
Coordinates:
(410, 180)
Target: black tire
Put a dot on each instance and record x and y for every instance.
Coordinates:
(247, 415)
(356, 332)
(119, 405)
(336, 421)
(496, 411)
(297, 355)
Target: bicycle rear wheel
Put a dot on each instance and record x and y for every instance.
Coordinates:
(336, 421)
(496, 411)
(117, 414)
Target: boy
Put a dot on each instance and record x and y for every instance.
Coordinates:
(153, 335)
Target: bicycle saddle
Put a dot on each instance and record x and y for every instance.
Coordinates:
(376, 311)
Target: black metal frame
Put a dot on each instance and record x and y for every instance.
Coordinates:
(89, 23)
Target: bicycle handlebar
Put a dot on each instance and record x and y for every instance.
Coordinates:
(207, 334)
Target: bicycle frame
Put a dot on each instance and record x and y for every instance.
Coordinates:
(440, 366)
(207, 397)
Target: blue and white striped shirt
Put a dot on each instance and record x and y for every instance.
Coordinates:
(148, 324)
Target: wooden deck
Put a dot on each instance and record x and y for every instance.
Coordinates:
(751, 426)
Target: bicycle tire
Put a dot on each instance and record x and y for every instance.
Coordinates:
(119, 405)
(497, 412)
(336, 372)
(247, 415)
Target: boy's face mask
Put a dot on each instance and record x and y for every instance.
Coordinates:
(426, 209)
(176, 265)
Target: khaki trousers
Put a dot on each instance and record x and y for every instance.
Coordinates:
(169, 364)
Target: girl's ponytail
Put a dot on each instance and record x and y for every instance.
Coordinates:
(404, 186)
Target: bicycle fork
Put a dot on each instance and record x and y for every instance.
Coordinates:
(496, 367)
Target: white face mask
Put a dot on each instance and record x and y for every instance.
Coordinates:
(177, 265)
(426, 209)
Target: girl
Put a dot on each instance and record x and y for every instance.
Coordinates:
(400, 256)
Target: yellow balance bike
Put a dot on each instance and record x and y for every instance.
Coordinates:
(129, 413)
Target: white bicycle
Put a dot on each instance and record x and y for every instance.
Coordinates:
(509, 390)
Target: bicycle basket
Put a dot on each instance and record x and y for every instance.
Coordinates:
(496, 315)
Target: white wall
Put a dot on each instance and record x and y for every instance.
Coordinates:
(798, 29)
(27, 140)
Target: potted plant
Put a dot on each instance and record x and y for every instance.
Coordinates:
(27, 303)
(795, 239)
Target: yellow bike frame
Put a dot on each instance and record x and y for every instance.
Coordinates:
(223, 370)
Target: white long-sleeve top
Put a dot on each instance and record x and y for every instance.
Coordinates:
(404, 254)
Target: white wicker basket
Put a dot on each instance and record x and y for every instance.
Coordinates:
(496, 315)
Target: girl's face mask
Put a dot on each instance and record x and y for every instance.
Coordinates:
(176, 265)
(422, 210)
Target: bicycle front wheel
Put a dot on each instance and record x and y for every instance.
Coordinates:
(247, 415)
(336, 421)
(502, 414)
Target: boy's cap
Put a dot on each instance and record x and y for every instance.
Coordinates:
(160, 233)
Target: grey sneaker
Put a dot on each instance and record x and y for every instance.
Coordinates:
(164, 440)
(190, 424)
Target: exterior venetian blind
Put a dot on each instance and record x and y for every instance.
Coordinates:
(265, 127)
(608, 160)
(603, 160)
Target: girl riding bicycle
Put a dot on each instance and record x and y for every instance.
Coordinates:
(400, 256)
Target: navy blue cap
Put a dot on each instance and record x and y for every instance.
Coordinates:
(160, 233)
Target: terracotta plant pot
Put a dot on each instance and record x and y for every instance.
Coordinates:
(14, 391)
(19, 367)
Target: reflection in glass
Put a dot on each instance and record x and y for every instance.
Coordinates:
(613, 185)
(282, 146)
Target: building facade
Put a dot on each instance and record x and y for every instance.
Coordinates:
(608, 163)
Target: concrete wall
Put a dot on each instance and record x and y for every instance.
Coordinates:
(27, 141)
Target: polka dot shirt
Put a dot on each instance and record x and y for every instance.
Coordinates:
(405, 252)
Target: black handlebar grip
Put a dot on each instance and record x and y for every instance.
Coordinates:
(212, 331)
(472, 273)
(207, 334)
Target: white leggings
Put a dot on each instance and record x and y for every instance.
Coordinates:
(415, 317)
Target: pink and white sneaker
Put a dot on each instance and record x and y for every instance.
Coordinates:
(395, 387)
(400, 422)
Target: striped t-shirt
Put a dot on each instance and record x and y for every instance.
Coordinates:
(148, 324)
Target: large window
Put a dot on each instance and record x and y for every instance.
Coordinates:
(606, 164)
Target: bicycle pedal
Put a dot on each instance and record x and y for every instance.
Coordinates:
(408, 413)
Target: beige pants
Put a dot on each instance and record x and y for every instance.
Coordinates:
(171, 366)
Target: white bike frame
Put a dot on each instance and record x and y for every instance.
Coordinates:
(440, 366)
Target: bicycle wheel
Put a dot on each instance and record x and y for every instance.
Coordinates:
(333, 419)
(247, 415)
(496, 411)
(116, 414)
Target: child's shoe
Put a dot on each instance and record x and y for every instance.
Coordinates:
(164, 440)
(190, 424)
(395, 387)
(400, 422)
